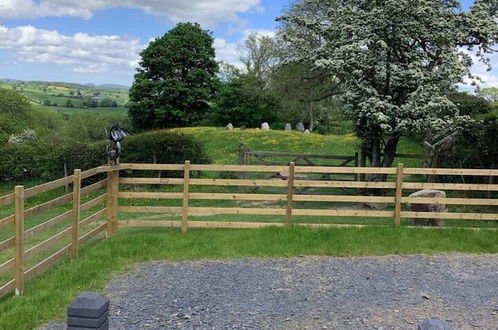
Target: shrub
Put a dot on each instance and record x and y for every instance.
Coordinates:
(46, 161)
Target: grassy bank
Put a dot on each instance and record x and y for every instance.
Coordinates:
(47, 296)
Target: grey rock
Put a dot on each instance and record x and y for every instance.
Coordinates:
(288, 127)
(229, 127)
(307, 131)
(427, 208)
(243, 127)
(265, 126)
(432, 324)
(300, 127)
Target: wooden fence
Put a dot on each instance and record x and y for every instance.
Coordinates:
(395, 182)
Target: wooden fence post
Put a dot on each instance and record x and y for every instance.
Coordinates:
(186, 181)
(363, 163)
(356, 164)
(76, 213)
(241, 159)
(399, 194)
(19, 239)
(112, 202)
(290, 193)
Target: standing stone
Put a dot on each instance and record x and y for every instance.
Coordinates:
(431, 324)
(243, 127)
(265, 126)
(307, 131)
(288, 127)
(427, 208)
(300, 127)
(229, 127)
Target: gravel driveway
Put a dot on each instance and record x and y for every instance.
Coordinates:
(393, 292)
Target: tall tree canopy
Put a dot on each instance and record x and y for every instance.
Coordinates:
(176, 79)
(396, 61)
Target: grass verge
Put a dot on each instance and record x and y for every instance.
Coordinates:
(48, 295)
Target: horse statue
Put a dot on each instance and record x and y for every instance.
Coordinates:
(116, 134)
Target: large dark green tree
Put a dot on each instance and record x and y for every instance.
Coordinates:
(176, 79)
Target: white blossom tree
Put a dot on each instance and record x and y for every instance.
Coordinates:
(396, 60)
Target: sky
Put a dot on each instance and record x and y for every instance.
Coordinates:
(99, 41)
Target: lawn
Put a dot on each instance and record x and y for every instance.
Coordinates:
(47, 296)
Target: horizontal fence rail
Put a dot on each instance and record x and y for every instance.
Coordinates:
(87, 211)
(65, 240)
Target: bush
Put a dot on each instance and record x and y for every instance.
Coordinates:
(46, 161)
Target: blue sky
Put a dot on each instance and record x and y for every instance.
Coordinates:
(98, 41)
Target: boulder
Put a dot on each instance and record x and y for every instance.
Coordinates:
(265, 126)
(243, 127)
(229, 127)
(307, 131)
(427, 208)
(431, 324)
(300, 127)
(288, 127)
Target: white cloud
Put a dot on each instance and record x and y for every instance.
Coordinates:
(87, 53)
(206, 12)
(230, 52)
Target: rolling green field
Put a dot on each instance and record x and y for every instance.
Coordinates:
(59, 93)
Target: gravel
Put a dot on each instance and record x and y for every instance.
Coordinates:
(393, 292)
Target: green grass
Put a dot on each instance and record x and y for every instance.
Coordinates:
(223, 145)
(47, 296)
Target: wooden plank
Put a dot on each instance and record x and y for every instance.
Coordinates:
(93, 218)
(450, 201)
(47, 224)
(112, 203)
(48, 186)
(344, 184)
(6, 221)
(150, 223)
(234, 225)
(150, 209)
(290, 154)
(89, 173)
(290, 193)
(75, 228)
(345, 170)
(399, 195)
(8, 243)
(240, 168)
(19, 240)
(94, 202)
(96, 170)
(41, 266)
(342, 198)
(150, 195)
(48, 205)
(451, 171)
(92, 233)
(8, 265)
(447, 215)
(186, 181)
(243, 211)
(49, 242)
(7, 199)
(152, 167)
(239, 197)
(96, 186)
(236, 182)
(451, 186)
(344, 213)
(160, 181)
(6, 288)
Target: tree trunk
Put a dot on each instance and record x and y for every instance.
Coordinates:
(312, 117)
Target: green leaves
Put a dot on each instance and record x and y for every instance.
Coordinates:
(176, 79)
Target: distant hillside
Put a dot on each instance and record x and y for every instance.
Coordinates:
(70, 95)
